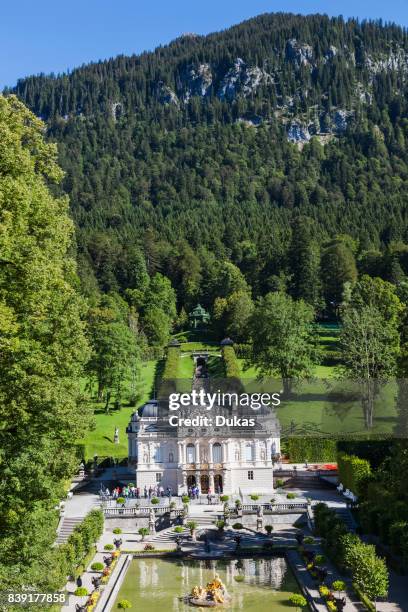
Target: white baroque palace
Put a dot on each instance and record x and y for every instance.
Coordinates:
(224, 460)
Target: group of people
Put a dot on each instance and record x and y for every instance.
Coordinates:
(193, 492)
(130, 491)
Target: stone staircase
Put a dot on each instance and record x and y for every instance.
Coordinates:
(347, 518)
(167, 536)
(305, 482)
(67, 527)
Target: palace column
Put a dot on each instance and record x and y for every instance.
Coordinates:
(197, 451)
(181, 458)
(269, 450)
(210, 452)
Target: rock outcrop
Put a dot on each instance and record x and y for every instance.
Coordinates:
(242, 79)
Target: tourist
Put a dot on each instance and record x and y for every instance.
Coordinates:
(79, 582)
(150, 492)
(145, 492)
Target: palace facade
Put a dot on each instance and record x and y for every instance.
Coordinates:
(225, 459)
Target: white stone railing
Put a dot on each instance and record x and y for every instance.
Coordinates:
(127, 511)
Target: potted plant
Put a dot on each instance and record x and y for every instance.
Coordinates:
(155, 501)
(120, 500)
(339, 587)
(220, 526)
(185, 499)
(224, 498)
(254, 496)
(143, 531)
(117, 530)
(269, 529)
(192, 526)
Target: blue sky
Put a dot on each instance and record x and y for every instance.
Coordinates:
(53, 35)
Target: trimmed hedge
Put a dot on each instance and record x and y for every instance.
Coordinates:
(231, 364)
(368, 571)
(171, 365)
(75, 555)
(311, 449)
(353, 471)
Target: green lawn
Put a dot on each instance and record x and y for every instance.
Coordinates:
(99, 441)
(317, 406)
(190, 347)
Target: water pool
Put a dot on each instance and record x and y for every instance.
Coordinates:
(255, 585)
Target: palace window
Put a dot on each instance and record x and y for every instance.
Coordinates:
(158, 455)
(250, 475)
(217, 453)
(158, 477)
(190, 453)
(249, 452)
(171, 458)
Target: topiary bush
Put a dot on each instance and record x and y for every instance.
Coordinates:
(155, 500)
(124, 604)
(224, 498)
(108, 547)
(237, 526)
(117, 530)
(178, 529)
(254, 496)
(97, 566)
(291, 496)
(185, 499)
(279, 483)
(81, 592)
(297, 601)
(120, 500)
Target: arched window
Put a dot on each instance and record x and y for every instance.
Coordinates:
(171, 458)
(190, 453)
(249, 452)
(158, 455)
(273, 448)
(217, 453)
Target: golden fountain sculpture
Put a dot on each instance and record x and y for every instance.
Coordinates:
(214, 594)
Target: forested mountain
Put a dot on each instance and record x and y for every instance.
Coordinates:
(223, 143)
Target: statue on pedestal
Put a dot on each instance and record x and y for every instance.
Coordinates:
(152, 522)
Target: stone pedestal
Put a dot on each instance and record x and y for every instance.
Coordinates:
(152, 522)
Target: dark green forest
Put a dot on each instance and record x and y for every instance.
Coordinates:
(175, 168)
